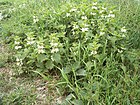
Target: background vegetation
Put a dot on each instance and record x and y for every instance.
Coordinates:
(88, 52)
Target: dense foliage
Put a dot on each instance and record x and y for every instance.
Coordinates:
(84, 42)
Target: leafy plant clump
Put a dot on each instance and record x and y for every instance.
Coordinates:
(83, 41)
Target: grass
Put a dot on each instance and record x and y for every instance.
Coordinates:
(129, 15)
(115, 82)
(26, 90)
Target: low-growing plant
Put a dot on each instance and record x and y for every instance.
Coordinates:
(84, 42)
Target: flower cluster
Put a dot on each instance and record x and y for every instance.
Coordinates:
(40, 48)
(54, 43)
(30, 40)
(84, 17)
(54, 46)
(85, 28)
(68, 15)
(17, 45)
(123, 30)
(94, 5)
(78, 30)
(19, 62)
(35, 19)
(73, 10)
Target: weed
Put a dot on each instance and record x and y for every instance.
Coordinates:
(85, 42)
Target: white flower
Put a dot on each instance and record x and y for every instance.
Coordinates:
(120, 51)
(73, 32)
(111, 12)
(104, 8)
(54, 50)
(18, 47)
(12, 9)
(106, 16)
(17, 59)
(102, 16)
(19, 62)
(30, 42)
(73, 10)
(92, 22)
(84, 17)
(17, 42)
(123, 29)
(29, 38)
(54, 44)
(35, 19)
(94, 7)
(22, 6)
(94, 3)
(123, 35)
(86, 25)
(111, 15)
(93, 13)
(52, 58)
(41, 49)
(101, 11)
(68, 14)
(93, 53)
(75, 27)
(102, 33)
(84, 29)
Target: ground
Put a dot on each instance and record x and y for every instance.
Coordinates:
(25, 90)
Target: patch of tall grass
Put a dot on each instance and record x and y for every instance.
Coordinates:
(129, 15)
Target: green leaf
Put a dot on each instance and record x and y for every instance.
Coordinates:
(41, 57)
(25, 53)
(42, 75)
(77, 102)
(76, 65)
(89, 65)
(57, 58)
(81, 72)
(49, 64)
(40, 65)
(67, 69)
